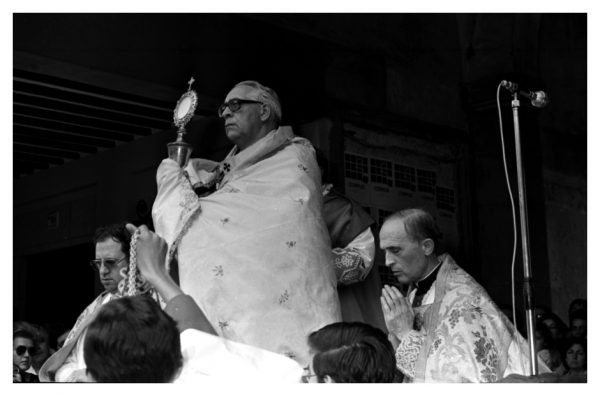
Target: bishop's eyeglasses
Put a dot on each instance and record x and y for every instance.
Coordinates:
(234, 105)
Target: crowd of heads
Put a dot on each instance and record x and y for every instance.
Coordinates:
(563, 348)
(133, 340)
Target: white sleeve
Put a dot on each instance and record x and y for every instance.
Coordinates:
(354, 262)
(364, 244)
(174, 198)
(73, 362)
(408, 351)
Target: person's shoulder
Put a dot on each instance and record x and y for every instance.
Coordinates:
(456, 277)
(96, 302)
(302, 145)
(100, 298)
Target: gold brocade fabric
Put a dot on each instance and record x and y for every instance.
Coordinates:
(463, 336)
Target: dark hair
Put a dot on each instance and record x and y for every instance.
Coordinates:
(419, 224)
(338, 334)
(22, 333)
(573, 306)
(39, 332)
(562, 327)
(578, 314)
(117, 232)
(352, 352)
(132, 340)
(23, 325)
(368, 360)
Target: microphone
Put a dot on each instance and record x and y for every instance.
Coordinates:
(538, 99)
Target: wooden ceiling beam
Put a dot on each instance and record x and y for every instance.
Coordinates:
(53, 143)
(35, 149)
(28, 157)
(23, 119)
(61, 136)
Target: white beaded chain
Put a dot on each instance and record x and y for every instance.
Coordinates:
(133, 283)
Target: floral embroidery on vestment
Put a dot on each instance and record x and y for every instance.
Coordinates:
(218, 270)
(408, 351)
(349, 266)
(191, 209)
(223, 324)
(285, 296)
(486, 354)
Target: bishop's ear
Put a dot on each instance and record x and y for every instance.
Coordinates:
(428, 246)
(265, 112)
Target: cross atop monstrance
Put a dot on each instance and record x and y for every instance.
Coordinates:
(190, 83)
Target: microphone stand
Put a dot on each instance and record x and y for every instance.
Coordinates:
(527, 273)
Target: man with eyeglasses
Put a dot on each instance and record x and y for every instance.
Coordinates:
(23, 350)
(111, 263)
(253, 251)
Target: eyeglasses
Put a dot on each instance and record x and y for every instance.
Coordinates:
(108, 263)
(234, 105)
(20, 350)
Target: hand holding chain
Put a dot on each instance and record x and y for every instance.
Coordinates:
(133, 283)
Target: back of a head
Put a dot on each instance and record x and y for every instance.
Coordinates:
(419, 225)
(338, 334)
(352, 352)
(132, 340)
(267, 96)
(366, 361)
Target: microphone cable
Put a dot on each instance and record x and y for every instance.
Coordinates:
(512, 204)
